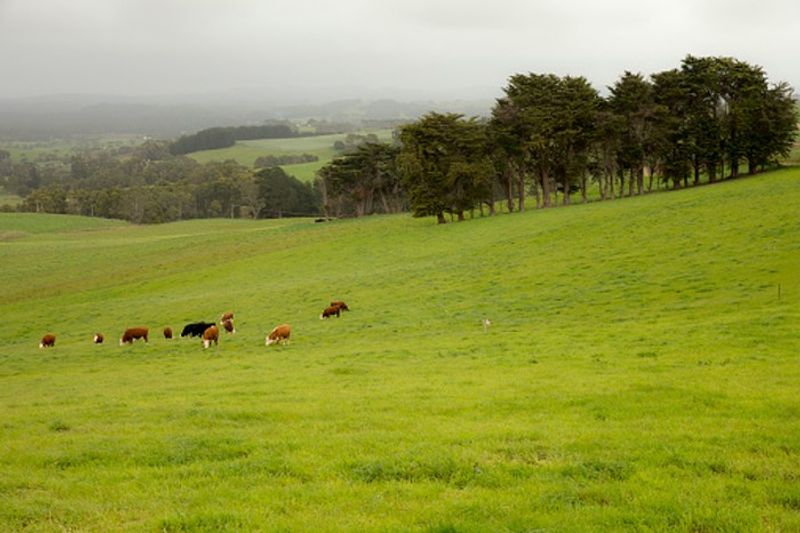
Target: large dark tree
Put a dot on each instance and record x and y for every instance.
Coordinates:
(547, 124)
(445, 165)
(283, 195)
(363, 181)
(631, 99)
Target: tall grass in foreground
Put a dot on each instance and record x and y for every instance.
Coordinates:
(640, 372)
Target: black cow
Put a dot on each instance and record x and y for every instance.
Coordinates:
(196, 329)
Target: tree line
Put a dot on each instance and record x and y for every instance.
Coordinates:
(265, 161)
(551, 137)
(223, 137)
(150, 185)
(548, 140)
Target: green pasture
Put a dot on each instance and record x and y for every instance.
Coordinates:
(48, 150)
(641, 370)
(9, 199)
(246, 152)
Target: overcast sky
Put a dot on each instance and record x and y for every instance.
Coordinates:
(442, 48)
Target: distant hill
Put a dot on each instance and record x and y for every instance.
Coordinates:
(61, 116)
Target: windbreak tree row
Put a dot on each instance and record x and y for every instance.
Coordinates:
(552, 137)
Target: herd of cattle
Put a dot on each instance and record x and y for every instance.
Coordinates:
(208, 331)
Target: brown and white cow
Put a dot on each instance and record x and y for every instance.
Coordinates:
(98, 338)
(131, 334)
(340, 304)
(330, 311)
(167, 333)
(279, 334)
(48, 341)
(226, 316)
(228, 325)
(210, 334)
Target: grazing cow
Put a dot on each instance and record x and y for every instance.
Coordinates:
(167, 333)
(279, 334)
(196, 329)
(98, 338)
(131, 334)
(228, 325)
(48, 341)
(226, 316)
(210, 334)
(340, 304)
(330, 311)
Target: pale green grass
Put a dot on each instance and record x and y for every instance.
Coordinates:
(63, 148)
(640, 371)
(9, 199)
(246, 152)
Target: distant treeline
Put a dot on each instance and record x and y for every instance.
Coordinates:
(551, 136)
(266, 161)
(223, 137)
(548, 139)
(150, 185)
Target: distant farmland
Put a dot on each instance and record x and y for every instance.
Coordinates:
(246, 152)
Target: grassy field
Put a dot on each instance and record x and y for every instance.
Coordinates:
(61, 148)
(246, 152)
(9, 199)
(640, 372)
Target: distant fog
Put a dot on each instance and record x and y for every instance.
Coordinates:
(173, 65)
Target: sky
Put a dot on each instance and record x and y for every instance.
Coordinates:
(303, 49)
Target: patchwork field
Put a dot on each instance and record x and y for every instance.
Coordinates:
(641, 370)
(246, 152)
(9, 199)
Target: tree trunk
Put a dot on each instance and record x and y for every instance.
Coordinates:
(712, 172)
(384, 202)
(521, 192)
(460, 215)
(734, 167)
(583, 186)
(696, 165)
(631, 182)
(602, 187)
(545, 189)
(566, 194)
(621, 183)
(610, 185)
(640, 180)
(509, 186)
(752, 168)
(440, 218)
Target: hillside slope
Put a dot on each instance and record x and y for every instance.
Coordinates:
(246, 152)
(640, 370)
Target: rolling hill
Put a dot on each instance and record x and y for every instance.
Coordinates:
(640, 370)
(246, 152)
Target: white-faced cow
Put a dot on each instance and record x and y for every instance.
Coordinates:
(167, 333)
(279, 334)
(226, 316)
(131, 334)
(209, 335)
(340, 304)
(48, 341)
(98, 338)
(228, 325)
(329, 312)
